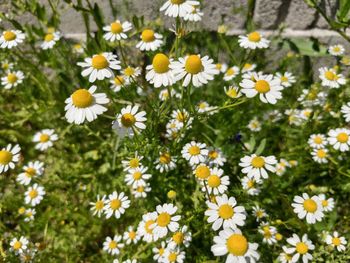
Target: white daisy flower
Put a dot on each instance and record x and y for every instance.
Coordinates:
(194, 69)
(165, 95)
(222, 67)
(194, 152)
(178, 8)
(6, 65)
(133, 162)
(267, 86)
(247, 67)
(294, 117)
(233, 92)
(173, 256)
(336, 241)
(8, 157)
(216, 183)
(339, 138)
(100, 66)
(85, 104)
(284, 257)
(146, 227)
(231, 73)
(286, 79)
(317, 141)
(202, 171)
(130, 73)
(141, 190)
(19, 245)
(129, 121)
(131, 236)
(236, 246)
(268, 233)
(160, 73)
(31, 170)
(34, 195)
(98, 207)
(320, 155)
(195, 15)
(204, 107)
(116, 204)
(336, 50)
(50, 40)
(253, 40)
(78, 48)
(118, 82)
(181, 237)
(216, 157)
(137, 176)
(11, 38)
(183, 117)
(330, 78)
(29, 214)
(256, 166)
(327, 204)
(300, 248)
(225, 212)
(45, 139)
(254, 125)
(113, 246)
(311, 208)
(150, 41)
(345, 109)
(159, 252)
(165, 162)
(116, 30)
(166, 220)
(259, 213)
(250, 184)
(12, 79)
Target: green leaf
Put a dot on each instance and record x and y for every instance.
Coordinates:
(343, 11)
(252, 143)
(261, 147)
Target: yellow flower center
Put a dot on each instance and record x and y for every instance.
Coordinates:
(213, 154)
(278, 237)
(5, 157)
(165, 158)
(44, 137)
(12, 78)
(21, 210)
(324, 203)
(262, 86)
(30, 172)
(226, 211)
(17, 245)
(336, 241)
(254, 37)
(33, 193)
(284, 79)
(129, 71)
(247, 66)
(134, 163)
(202, 172)
(232, 93)
(147, 35)
(119, 80)
(137, 175)
(193, 64)
(9, 36)
(178, 238)
(310, 205)
(214, 181)
(251, 183)
(177, 2)
(172, 256)
(161, 251)
(112, 244)
(258, 162)
(115, 204)
(148, 225)
(342, 137)
(48, 37)
(237, 245)
(116, 28)
(194, 150)
(160, 63)
(128, 120)
(181, 116)
(163, 219)
(140, 189)
(330, 75)
(99, 205)
(302, 248)
(132, 235)
(318, 140)
(218, 66)
(82, 98)
(336, 49)
(321, 153)
(230, 72)
(99, 62)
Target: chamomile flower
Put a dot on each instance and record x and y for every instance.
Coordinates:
(253, 40)
(247, 67)
(165, 162)
(300, 248)
(78, 48)
(182, 237)
(216, 183)
(129, 121)
(336, 241)
(133, 162)
(29, 214)
(345, 60)
(50, 40)
(137, 176)
(284, 257)
(231, 73)
(31, 170)
(131, 236)
(225, 212)
(259, 213)
(327, 204)
(19, 245)
(194, 69)
(130, 73)
(11, 38)
(6, 65)
(317, 141)
(34, 195)
(100, 66)
(267, 86)
(222, 67)
(116, 30)
(150, 41)
(141, 190)
(254, 125)
(98, 207)
(233, 92)
(84, 105)
(268, 233)
(250, 185)
(113, 246)
(336, 50)
(183, 117)
(160, 73)
(146, 227)
(166, 220)
(194, 152)
(8, 157)
(173, 256)
(178, 8)
(345, 109)
(216, 157)
(330, 78)
(320, 155)
(308, 207)
(236, 246)
(12, 79)
(165, 95)
(118, 82)
(287, 79)
(159, 252)
(116, 204)
(202, 171)
(340, 139)
(195, 15)
(256, 166)
(204, 107)
(45, 139)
